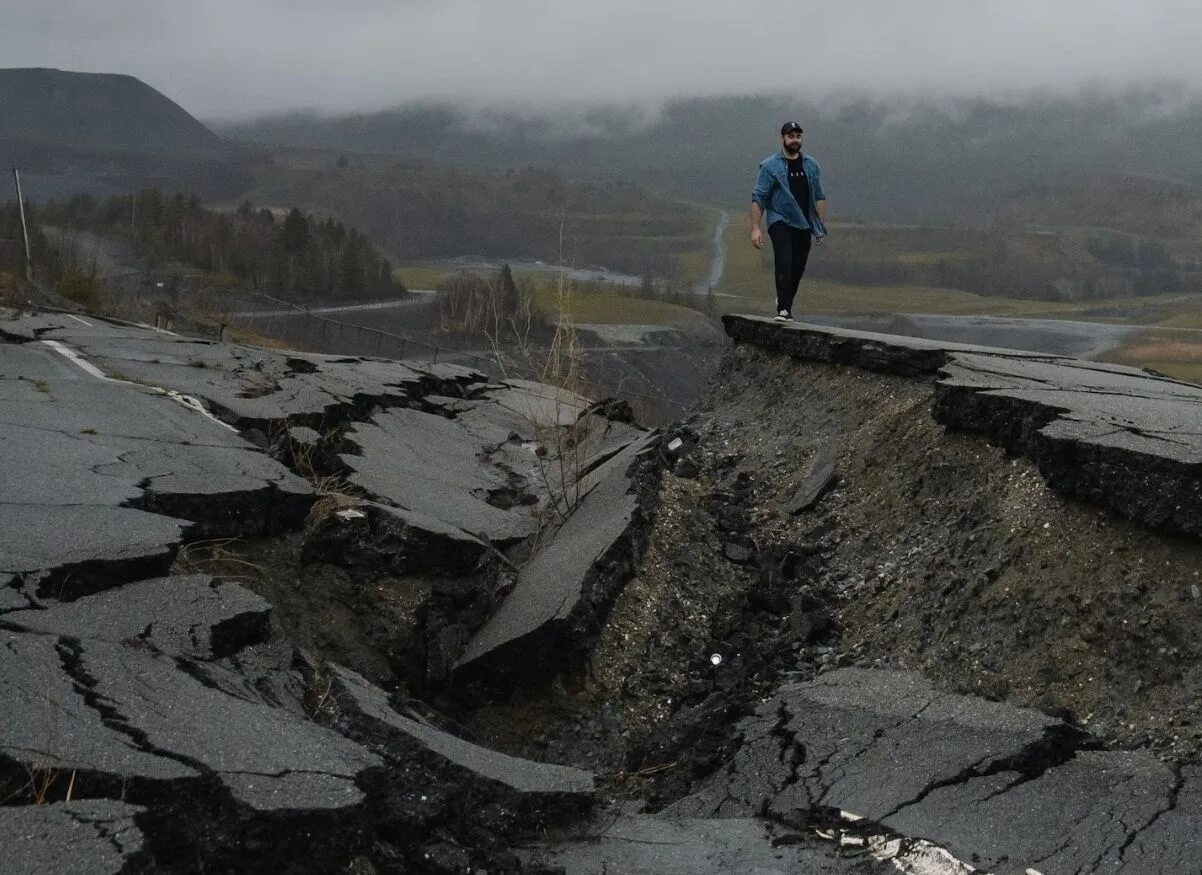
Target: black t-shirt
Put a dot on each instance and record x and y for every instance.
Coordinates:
(798, 184)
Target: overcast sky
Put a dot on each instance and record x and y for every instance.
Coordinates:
(234, 58)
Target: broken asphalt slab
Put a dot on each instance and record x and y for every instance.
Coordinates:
(431, 465)
(1116, 436)
(118, 713)
(249, 387)
(83, 459)
(194, 616)
(563, 593)
(86, 837)
(1005, 788)
(494, 466)
(49, 724)
(544, 781)
(892, 354)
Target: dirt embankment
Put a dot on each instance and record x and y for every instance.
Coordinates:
(934, 551)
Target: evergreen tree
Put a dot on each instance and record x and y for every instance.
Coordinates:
(295, 235)
(352, 268)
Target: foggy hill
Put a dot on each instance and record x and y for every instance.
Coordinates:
(98, 111)
(961, 160)
(108, 134)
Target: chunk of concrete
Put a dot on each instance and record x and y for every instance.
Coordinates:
(819, 480)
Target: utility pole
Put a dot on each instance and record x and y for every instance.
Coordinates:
(24, 226)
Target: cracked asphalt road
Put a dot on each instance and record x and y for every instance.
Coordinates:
(165, 721)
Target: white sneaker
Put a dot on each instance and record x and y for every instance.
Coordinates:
(782, 316)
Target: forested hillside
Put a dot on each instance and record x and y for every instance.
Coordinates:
(427, 210)
(295, 253)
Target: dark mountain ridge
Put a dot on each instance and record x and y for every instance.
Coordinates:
(99, 111)
(108, 134)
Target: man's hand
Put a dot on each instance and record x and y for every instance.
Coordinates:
(818, 241)
(757, 238)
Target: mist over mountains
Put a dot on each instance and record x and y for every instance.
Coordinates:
(625, 185)
(950, 160)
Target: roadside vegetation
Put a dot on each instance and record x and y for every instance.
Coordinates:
(291, 253)
(1176, 354)
(73, 274)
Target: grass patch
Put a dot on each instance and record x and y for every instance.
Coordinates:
(10, 293)
(1191, 319)
(748, 280)
(421, 276)
(611, 309)
(1175, 353)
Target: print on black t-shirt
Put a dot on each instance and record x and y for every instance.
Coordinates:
(799, 185)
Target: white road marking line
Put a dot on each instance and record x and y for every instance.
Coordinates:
(77, 319)
(75, 357)
(155, 328)
(179, 397)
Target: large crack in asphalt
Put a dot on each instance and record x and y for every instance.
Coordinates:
(1058, 745)
(70, 651)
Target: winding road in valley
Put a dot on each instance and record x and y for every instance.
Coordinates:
(718, 261)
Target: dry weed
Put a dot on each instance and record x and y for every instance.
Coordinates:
(215, 558)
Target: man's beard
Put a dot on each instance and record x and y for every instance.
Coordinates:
(792, 149)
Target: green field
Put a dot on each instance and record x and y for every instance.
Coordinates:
(748, 279)
(418, 276)
(748, 285)
(1176, 353)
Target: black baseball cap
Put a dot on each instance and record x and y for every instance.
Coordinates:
(790, 128)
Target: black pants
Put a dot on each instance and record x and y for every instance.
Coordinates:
(790, 252)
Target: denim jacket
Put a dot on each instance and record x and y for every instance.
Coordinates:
(776, 200)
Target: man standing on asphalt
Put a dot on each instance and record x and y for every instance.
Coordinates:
(789, 190)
